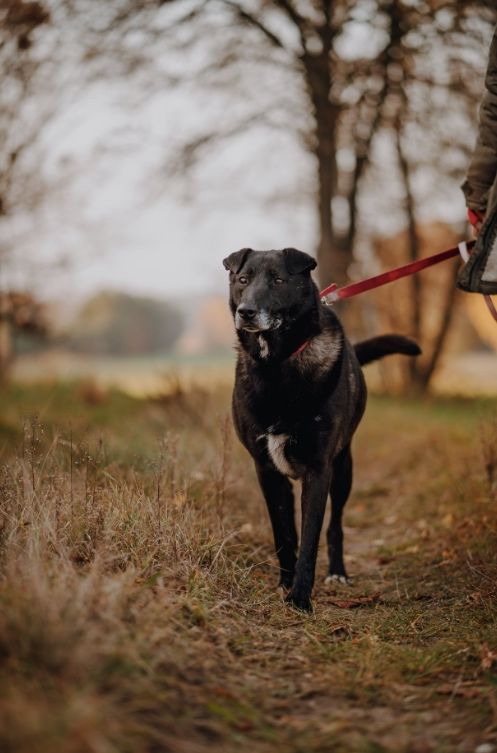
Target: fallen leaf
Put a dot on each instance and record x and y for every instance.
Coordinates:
(448, 555)
(384, 559)
(488, 657)
(244, 725)
(221, 691)
(448, 520)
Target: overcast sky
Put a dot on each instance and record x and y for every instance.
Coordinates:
(119, 219)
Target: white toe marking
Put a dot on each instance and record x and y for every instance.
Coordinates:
(337, 579)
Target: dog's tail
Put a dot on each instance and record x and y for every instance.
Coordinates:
(385, 345)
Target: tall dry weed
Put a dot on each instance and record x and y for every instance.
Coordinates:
(102, 569)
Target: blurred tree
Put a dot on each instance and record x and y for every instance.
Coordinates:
(19, 313)
(20, 21)
(428, 111)
(122, 324)
(428, 305)
(20, 60)
(210, 329)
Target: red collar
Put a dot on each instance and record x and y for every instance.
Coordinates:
(301, 347)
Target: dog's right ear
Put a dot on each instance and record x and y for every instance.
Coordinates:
(235, 261)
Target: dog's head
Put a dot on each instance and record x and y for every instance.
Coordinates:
(268, 289)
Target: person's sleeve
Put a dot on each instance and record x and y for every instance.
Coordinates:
(482, 170)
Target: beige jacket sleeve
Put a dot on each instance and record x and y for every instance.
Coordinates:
(482, 170)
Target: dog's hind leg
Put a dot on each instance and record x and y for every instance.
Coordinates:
(341, 484)
(278, 494)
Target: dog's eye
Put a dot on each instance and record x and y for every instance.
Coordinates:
(243, 280)
(278, 281)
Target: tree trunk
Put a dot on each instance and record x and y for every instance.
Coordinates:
(333, 259)
(412, 365)
(333, 262)
(5, 349)
(425, 373)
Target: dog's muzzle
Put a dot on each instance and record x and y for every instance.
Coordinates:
(253, 320)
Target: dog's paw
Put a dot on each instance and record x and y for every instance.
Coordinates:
(286, 583)
(283, 591)
(302, 603)
(335, 578)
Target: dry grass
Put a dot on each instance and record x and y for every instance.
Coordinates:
(137, 602)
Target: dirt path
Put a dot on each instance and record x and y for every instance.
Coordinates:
(403, 659)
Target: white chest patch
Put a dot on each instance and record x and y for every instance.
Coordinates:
(263, 345)
(276, 448)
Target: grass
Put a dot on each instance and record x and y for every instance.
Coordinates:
(138, 609)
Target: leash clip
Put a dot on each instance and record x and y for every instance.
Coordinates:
(331, 295)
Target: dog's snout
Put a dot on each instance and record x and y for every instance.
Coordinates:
(246, 312)
(252, 318)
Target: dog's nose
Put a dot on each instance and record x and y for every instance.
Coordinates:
(246, 313)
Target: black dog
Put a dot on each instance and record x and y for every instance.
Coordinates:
(298, 398)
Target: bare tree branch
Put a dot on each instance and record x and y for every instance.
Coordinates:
(251, 20)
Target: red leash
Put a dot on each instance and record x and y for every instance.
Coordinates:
(333, 293)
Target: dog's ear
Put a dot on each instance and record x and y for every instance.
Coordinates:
(235, 261)
(298, 261)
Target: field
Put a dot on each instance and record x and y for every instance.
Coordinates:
(138, 608)
(464, 374)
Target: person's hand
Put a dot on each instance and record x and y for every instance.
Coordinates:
(476, 220)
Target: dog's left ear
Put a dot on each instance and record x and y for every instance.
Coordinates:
(234, 261)
(298, 261)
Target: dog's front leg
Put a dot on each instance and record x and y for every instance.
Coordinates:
(278, 494)
(315, 488)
